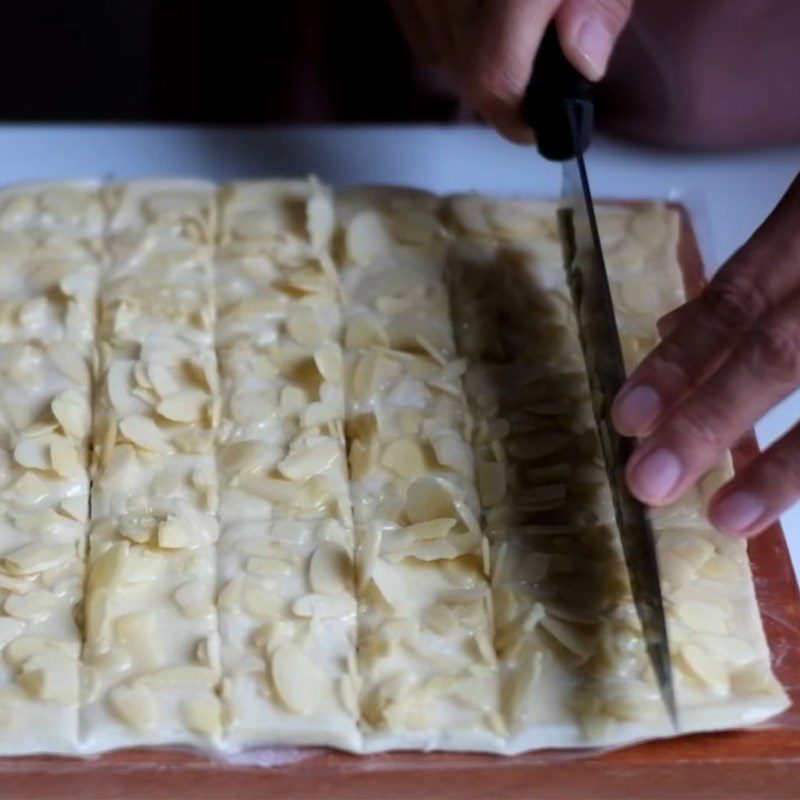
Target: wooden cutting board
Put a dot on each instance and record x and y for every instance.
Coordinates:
(762, 763)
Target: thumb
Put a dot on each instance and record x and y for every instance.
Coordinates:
(588, 31)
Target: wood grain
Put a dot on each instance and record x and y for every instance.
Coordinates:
(762, 763)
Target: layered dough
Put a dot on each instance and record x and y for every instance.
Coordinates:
(50, 237)
(345, 482)
(568, 637)
(426, 659)
(287, 603)
(151, 650)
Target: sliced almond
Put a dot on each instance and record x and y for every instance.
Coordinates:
(144, 433)
(309, 461)
(365, 331)
(65, 459)
(188, 406)
(72, 411)
(330, 569)
(405, 458)
(172, 534)
(136, 706)
(297, 679)
(203, 716)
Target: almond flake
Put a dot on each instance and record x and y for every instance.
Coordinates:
(71, 409)
(194, 599)
(430, 529)
(309, 461)
(70, 362)
(453, 452)
(367, 237)
(137, 633)
(32, 454)
(269, 567)
(35, 606)
(364, 331)
(491, 483)
(30, 489)
(303, 326)
(65, 459)
(321, 606)
(391, 584)
(297, 679)
(144, 433)
(76, 507)
(328, 360)
(136, 706)
(34, 558)
(705, 667)
(246, 456)
(405, 458)
(430, 498)
(367, 552)
(185, 406)
(203, 716)
(330, 569)
(172, 534)
(260, 602)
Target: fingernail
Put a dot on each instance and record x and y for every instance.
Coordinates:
(737, 512)
(638, 408)
(594, 45)
(656, 475)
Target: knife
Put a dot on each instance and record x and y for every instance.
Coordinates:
(558, 105)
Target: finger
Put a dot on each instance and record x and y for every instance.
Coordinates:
(760, 372)
(672, 319)
(435, 16)
(752, 283)
(761, 492)
(506, 37)
(458, 16)
(589, 29)
(415, 31)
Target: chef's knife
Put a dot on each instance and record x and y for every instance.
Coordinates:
(558, 105)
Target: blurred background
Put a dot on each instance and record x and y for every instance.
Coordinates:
(236, 61)
(710, 74)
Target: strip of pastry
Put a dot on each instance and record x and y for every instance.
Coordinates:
(545, 504)
(426, 660)
(560, 584)
(50, 249)
(151, 648)
(287, 605)
(721, 660)
(49, 238)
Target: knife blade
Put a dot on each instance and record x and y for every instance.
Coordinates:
(559, 107)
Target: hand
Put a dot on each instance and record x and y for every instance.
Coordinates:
(489, 45)
(727, 358)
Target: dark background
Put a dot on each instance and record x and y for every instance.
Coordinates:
(204, 61)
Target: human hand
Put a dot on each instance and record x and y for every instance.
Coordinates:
(726, 359)
(489, 45)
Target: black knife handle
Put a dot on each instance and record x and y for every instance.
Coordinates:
(554, 83)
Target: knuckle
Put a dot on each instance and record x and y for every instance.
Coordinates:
(616, 12)
(700, 425)
(773, 352)
(669, 365)
(780, 469)
(491, 92)
(734, 302)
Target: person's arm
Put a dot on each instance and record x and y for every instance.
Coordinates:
(726, 359)
(489, 45)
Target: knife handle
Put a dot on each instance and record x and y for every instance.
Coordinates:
(555, 83)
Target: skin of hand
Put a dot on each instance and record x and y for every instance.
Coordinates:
(725, 359)
(489, 45)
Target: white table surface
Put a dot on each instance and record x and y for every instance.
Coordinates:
(729, 194)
